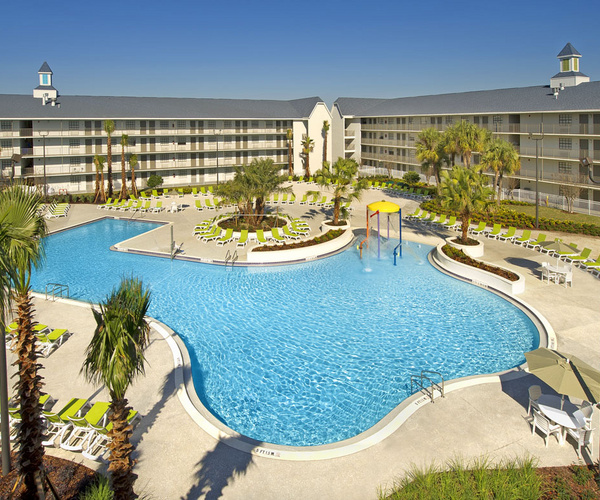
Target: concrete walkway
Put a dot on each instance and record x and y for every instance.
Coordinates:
(176, 459)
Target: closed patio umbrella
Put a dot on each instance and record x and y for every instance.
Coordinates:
(559, 247)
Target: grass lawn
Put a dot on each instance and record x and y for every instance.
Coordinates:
(555, 213)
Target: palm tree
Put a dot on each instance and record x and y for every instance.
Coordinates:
(307, 147)
(100, 195)
(326, 128)
(463, 139)
(501, 158)
(133, 162)
(464, 190)
(124, 144)
(109, 128)
(339, 177)
(21, 232)
(430, 151)
(114, 358)
(290, 135)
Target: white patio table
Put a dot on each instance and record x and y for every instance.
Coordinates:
(566, 415)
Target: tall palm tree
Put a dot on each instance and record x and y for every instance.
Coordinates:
(339, 178)
(124, 144)
(501, 158)
(133, 162)
(326, 128)
(109, 128)
(464, 190)
(21, 232)
(290, 136)
(114, 358)
(430, 151)
(307, 148)
(100, 195)
(463, 139)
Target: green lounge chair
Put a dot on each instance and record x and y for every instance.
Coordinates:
(560, 255)
(166, 193)
(201, 233)
(53, 340)
(243, 239)
(275, 236)
(479, 229)
(593, 266)
(322, 201)
(211, 189)
(226, 238)
(304, 200)
(376, 185)
(214, 235)
(415, 214)
(127, 206)
(73, 436)
(292, 199)
(508, 235)
(582, 257)
(136, 206)
(314, 199)
(310, 180)
(203, 191)
(180, 193)
(155, 194)
(495, 231)
(289, 234)
(97, 441)
(145, 197)
(56, 422)
(301, 179)
(209, 204)
(284, 199)
(452, 223)
(195, 192)
(431, 218)
(158, 207)
(145, 206)
(199, 206)
(275, 198)
(524, 239)
(105, 205)
(441, 221)
(260, 236)
(536, 244)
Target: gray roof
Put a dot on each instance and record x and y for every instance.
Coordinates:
(568, 50)
(25, 106)
(585, 96)
(45, 68)
(568, 73)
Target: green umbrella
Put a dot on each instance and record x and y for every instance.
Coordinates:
(566, 374)
(559, 247)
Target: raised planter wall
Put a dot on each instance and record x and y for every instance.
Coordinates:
(297, 254)
(480, 276)
(474, 251)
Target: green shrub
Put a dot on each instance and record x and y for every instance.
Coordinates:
(411, 177)
(99, 490)
(154, 181)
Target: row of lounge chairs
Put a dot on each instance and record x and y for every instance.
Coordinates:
(56, 210)
(78, 426)
(208, 231)
(131, 205)
(392, 187)
(49, 339)
(432, 218)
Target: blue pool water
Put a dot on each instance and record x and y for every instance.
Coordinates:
(304, 354)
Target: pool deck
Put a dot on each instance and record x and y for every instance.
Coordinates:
(177, 459)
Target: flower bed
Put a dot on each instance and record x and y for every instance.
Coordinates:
(328, 236)
(459, 256)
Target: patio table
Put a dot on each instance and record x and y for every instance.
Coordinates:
(562, 412)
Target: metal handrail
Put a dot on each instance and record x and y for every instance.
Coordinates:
(57, 290)
(429, 389)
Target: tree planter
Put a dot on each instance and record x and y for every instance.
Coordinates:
(327, 225)
(471, 250)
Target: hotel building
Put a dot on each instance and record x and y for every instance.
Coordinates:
(186, 141)
(381, 133)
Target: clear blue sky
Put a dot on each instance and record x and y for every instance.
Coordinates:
(284, 50)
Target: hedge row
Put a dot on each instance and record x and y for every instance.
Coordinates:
(508, 217)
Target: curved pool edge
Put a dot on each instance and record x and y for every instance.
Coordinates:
(384, 428)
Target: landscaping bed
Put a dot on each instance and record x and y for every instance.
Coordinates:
(459, 256)
(328, 236)
(266, 224)
(68, 478)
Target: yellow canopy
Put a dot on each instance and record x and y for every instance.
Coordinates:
(386, 207)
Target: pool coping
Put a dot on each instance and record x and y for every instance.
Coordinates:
(377, 433)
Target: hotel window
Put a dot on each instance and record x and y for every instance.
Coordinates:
(181, 156)
(73, 125)
(564, 143)
(227, 124)
(6, 144)
(212, 124)
(181, 124)
(181, 141)
(269, 124)
(448, 120)
(5, 125)
(497, 119)
(484, 120)
(254, 124)
(564, 167)
(164, 141)
(163, 124)
(74, 161)
(130, 124)
(163, 157)
(74, 143)
(6, 165)
(565, 119)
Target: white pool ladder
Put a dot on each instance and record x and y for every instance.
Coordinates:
(425, 383)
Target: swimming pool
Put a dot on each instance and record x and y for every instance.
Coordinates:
(305, 354)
